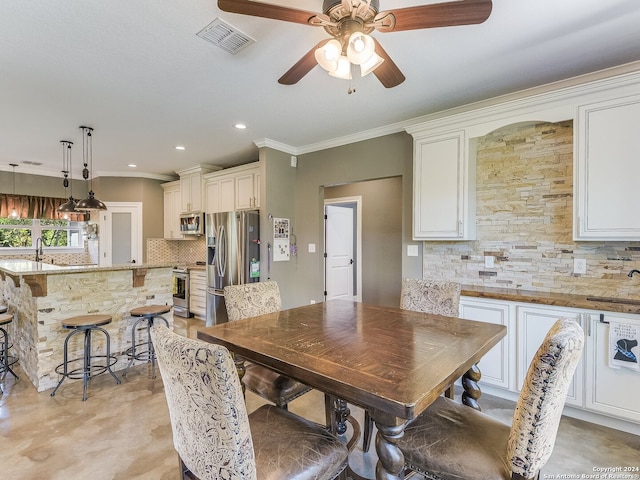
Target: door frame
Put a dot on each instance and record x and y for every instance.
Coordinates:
(105, 230)
(357, 233)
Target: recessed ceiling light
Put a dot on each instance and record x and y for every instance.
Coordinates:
(180, 147)
(132, 165)
(240, 126)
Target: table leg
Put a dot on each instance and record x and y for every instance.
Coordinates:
(337, 414)
(240, 367)
(472, 391)
(390, 464)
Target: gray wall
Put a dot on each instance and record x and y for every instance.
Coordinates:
(39, 185)
(381, 237)
(389, 156)
(145, 190)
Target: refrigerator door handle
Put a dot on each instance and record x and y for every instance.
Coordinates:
(222, 251)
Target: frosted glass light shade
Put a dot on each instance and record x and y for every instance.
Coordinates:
(370, 65)
(344, 68)
(327, 55)
(360, 48)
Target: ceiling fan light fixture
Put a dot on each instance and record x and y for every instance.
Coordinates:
(327, 55)
(360, 48)
(343, 69)
(370, 65)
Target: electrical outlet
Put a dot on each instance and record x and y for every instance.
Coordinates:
(489, 261)
(580, 265)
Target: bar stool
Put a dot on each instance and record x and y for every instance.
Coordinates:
(6, 360)
(147, 314)
(86, 324)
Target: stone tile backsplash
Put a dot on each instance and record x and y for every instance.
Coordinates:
(160, 250)
(524, 214)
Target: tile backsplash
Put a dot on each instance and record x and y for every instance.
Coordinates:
(160, 250)
(524, 215)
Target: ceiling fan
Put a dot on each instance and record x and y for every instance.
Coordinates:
(349, 23)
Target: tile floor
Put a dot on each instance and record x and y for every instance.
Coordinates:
(123, 432)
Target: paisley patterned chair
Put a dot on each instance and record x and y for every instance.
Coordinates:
(251, 300)
(427, 296)
(452, 441)
(441, 298)
(212, 433)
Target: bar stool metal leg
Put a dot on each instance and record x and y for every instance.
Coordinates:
(5, 356)
(150, 354)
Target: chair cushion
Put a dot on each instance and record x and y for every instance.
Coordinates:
(439, 297)
(288, 447)
(271, 385)
(453, 441)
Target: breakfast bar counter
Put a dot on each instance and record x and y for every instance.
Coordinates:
(42, 295)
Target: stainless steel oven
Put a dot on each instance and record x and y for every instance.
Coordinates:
(181, 293)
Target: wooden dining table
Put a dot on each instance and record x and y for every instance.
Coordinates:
(392, 362)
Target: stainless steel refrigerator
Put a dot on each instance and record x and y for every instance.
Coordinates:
(233, 257)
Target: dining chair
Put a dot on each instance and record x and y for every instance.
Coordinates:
(452, 441)
(251, 300)
(214, 436)
(427, 296)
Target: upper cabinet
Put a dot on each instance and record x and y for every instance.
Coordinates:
(191, 185)
(443, 188)
(172, 210)
(236, 188)
(607, 170)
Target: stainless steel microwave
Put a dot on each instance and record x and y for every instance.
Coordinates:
(192, 223)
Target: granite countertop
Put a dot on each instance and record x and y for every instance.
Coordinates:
(29, 267)
(588, 302)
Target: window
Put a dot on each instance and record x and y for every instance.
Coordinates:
(23, 233)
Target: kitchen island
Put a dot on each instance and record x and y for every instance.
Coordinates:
(42, 295)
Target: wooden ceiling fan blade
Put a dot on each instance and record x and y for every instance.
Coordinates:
(302, 66)
(461, 12)
(388, 72)
(266, 10)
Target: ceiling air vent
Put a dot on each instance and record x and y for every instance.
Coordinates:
(31, 162)
(225, 36)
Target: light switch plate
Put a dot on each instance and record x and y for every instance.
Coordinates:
(312, 248)
(489, 261)
(580, 265)
(412, 250)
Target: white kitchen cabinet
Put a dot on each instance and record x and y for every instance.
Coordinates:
(191, 187)
(172, 210)
(248, 190)
(443, 188)
(191, 192)
(198, 292)
(606, 170)
(234, 188)
(533, 323)
(494, 365)
(220, 194)
(609, 390)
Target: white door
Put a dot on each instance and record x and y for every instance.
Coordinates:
(120, 234)
(342, 239)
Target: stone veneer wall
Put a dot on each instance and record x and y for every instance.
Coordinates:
(524, 207)
(40, 343)
(160, 250)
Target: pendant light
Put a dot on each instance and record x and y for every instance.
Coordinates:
(89, 203)
(14, 215)
(70, 205)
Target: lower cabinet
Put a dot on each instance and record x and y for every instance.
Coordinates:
(495, 365)
(198, 293)
(611, 391)
(596, 387)
(533, 323)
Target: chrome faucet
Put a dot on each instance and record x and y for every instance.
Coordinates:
(632, 272)
(39, 252)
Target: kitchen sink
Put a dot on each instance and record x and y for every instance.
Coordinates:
(614, 300)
